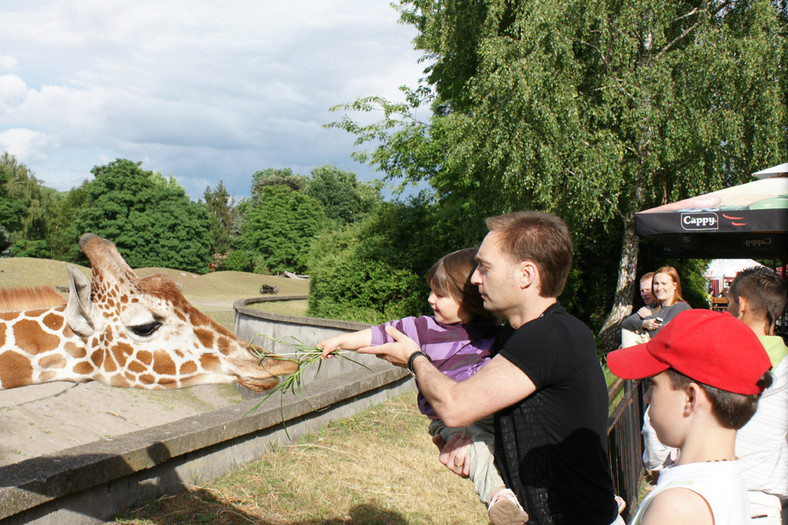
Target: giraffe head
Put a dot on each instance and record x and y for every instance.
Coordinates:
(143, 333)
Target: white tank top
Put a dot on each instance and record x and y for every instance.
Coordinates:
(719, 483)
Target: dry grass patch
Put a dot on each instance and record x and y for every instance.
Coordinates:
(377, 467)
(296, 307)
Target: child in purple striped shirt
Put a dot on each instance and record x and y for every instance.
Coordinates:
(457, 339)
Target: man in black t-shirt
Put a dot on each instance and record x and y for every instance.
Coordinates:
(545, 384)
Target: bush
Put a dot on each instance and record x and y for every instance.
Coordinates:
(238, 261)
(372, 271)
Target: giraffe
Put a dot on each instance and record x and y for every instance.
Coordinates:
(126, 332)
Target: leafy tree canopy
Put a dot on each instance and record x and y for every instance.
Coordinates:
(221, 213)
(343, 198)
(279, 224)
(589, 109)
(277, 177)
(374, 270)
(149, 217)
(27, 209)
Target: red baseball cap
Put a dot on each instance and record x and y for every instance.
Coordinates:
(710, 347)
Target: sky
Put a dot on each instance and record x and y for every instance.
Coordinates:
(198, 90)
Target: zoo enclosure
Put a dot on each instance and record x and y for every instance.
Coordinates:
(92, 483)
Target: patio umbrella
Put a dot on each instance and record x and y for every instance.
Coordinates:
(745, 221)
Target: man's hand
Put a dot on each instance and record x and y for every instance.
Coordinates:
(397, 352)
(454, 454)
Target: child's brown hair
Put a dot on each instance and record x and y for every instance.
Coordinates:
(731, 410)
(451, 276)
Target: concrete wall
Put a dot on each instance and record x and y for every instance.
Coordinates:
(92, 483)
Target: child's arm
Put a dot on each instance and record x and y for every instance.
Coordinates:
(352, 341)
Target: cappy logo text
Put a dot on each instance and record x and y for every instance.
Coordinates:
(699, 221)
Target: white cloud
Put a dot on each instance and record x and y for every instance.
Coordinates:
(198, 89)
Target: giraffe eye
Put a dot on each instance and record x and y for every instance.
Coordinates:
(145, 330)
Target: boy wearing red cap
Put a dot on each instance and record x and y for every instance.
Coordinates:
(706, 371)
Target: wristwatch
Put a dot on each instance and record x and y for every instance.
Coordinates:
(413, 357)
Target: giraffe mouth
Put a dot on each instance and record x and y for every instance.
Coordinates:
(258, 384)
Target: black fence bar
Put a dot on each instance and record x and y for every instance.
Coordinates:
(625, 446)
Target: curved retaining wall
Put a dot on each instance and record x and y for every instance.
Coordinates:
(92, 483)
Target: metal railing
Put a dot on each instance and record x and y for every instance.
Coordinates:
(625, 447)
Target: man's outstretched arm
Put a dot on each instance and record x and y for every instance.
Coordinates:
(497, 385)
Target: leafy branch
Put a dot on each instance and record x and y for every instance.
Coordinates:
(305, 356)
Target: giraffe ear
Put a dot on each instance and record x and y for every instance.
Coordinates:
(78, 308)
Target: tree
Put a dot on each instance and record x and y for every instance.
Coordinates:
(279, 224)
(277, 177)
(343, 198)
(375, 269)
(591, 109)
(27, 209)
(221, 211)
(149, 218)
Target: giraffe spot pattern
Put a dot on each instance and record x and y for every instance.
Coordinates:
(210, 362)
(121, 352)
(224, 345)
(145, 357)
(2, 335)
(137, 367)
(205, 337)
(97, 357)
(15, 370)
(52, 361)
(30, 338)
(47, 375)
(119, 380)
(84, 368)
(163, 364)
(54, 321)
(189, 367)
(75, 351)
(110, 365)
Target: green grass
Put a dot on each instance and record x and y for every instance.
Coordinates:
(376, 467)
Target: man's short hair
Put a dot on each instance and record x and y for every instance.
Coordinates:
(649, 275)
(764, 290)
(730, 410)
(539, 237)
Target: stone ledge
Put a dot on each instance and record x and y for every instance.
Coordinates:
(42, 481)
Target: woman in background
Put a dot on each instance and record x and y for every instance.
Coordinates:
(666, 289)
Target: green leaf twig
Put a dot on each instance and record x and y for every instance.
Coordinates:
(305, 356)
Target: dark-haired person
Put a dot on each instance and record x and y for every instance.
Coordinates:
(757, 297)
(544, 384)
(706, 371)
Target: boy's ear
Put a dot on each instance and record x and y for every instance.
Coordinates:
(743, 306)
(692, 393)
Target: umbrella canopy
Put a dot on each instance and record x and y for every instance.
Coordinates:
(749, 220)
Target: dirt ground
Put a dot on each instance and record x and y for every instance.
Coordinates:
(43, 419)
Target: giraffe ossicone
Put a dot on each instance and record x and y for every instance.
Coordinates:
(127, 332)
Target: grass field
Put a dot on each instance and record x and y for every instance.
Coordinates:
(377, 467)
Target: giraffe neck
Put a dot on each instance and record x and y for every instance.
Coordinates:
(37, 347)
